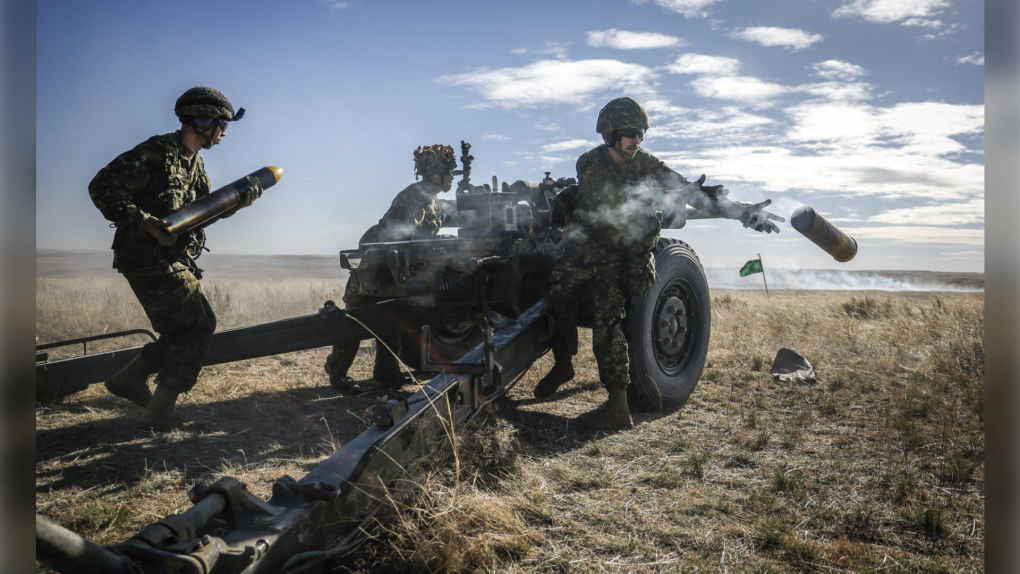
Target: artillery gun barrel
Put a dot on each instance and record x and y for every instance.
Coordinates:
(207, 208)
(824, 234)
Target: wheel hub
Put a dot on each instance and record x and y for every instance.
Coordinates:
(675, 325)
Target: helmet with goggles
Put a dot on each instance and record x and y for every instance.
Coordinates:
(205, 103)
(618, 115)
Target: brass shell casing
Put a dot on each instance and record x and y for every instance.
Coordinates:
(824, 234)
(220, 201)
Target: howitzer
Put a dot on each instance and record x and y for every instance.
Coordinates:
(476, 304)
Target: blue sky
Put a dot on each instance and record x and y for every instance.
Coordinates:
(871, 111)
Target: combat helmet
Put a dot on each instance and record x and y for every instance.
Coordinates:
(433, 159)
(620, 114)
(205, 103)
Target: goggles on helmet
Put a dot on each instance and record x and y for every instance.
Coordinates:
(221, 122)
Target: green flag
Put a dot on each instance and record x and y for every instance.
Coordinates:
(752, 266)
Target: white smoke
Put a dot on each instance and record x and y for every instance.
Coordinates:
(822, 279)
(630, 219)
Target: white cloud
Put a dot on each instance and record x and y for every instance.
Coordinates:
(547, 126)
(903, 151)
(625, 40)
(334, 5)
(838, 91)
(923, 23)
(770, 36)
(925, 128)
(556, 147)
(743, 89)
(495, 137)
(660, 109)
(686, 8)
(838, 70)
(977, 59)
(554, 49)
(552, 82)
(891, 11)
(943, 31)
(946, 213)
(704, 65)
(719, 80)
(918, 235)
(727, 126)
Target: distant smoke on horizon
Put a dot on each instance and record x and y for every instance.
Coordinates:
(823, 279)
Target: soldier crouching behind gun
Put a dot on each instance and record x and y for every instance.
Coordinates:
(135, 191)
(414, 214)
(612, 231)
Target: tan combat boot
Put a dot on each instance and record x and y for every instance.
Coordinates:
(157, 414)
(613, 415)
(131, 382)
(562, 371)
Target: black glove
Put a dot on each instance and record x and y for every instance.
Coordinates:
(713, 191)
(758, 219)
(251, 192)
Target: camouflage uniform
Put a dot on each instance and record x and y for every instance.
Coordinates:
(414, 214)
(158, 178)
(611, 232)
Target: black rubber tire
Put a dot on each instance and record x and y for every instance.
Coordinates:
(658, 379)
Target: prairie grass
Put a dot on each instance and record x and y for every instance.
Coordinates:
(879, 465)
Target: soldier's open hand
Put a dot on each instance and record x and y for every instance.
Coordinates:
(758, 219)
(157, 228)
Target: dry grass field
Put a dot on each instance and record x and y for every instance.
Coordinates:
(876, 467)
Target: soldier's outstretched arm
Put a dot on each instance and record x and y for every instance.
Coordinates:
(711, 201)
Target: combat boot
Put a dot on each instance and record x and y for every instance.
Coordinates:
(387, 371)
(131, 382)
(562, 371)
(157, 414)
(613, 415)
(344, 384)
(389, 379)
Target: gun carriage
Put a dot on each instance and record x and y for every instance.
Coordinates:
(475, 304)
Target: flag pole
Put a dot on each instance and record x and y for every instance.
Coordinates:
(762, 265)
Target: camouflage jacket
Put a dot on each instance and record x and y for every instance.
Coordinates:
(615, 205)
(414, 214)
(158, 178)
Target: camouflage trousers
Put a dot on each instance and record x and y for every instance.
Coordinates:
(181, 315)
(342, 356)
(571, 278)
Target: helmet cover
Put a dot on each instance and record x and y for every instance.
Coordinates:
(620, 114)
(434, 159)
(202, 102)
